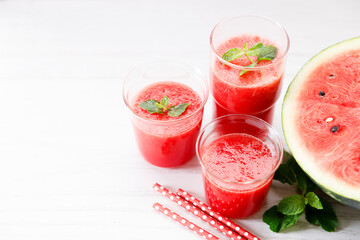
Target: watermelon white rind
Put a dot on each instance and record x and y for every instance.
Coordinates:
(307, 139)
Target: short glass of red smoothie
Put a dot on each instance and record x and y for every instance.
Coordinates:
(163, 140)
(256, 91)
(239, 155)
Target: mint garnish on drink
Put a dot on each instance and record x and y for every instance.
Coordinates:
(317, 210)
(154, 106)
(263, 52)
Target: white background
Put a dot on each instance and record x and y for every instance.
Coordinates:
(69, 165)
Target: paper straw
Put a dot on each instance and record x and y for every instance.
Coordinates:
(197, 212)
(183, 221)
(225, 221)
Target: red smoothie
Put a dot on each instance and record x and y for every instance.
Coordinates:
(237, 173)
(167, 141)
(254, 92)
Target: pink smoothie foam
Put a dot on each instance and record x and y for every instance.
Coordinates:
(238, 157)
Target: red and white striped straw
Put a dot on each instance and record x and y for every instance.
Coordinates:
(227, 222)
(197, 212)
(183, 221)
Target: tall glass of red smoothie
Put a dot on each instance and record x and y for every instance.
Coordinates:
(166, 100)
(239, 155)
(247, 83)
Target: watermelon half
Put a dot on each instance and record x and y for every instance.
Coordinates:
(321, 120)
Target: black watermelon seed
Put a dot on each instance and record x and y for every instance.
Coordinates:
(322, 93)
(331, 76)
(334, 129)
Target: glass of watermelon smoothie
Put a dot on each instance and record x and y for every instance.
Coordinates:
(239, 155)
(164, 139)
(246, 84)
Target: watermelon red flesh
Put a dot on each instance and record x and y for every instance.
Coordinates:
(332, 159)
(337, 152)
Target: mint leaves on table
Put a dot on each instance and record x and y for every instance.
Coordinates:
(278, 221)
(325, 217)
(292, 205)
(263, 52)
(154, 106)
(317, 210)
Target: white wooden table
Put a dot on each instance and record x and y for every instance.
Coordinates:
(69, 165)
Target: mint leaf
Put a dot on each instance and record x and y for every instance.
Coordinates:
(287, 157)
(314, 200)
(311, 215)
(291, 173)
(151, 106)
(263, 52)
(317, 210)
(245, 47)
(175, 111)
(278, 221)
(232, 54)
(267, 53)
(257, 45)
(292, 205)
(284, 173)
(164, 101)
(304, 183)
(255, 49)
(245, 71)
(325, 217)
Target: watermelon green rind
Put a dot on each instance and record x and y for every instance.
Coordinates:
(337, 197)
(342, 199)
(341, 191)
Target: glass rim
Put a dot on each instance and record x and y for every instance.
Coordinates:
(243, 67)
(194, 69)
(278, 144)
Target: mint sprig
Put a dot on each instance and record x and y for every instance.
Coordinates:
(232, 54)
(175, 111)
(313, 200)
(325, 217)
(267, 53)
(292, 205)
(151, 106)
(263, 52)
(278, 221)
(317, 210)
(163, 103)
(154, 106)
(290, 172)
